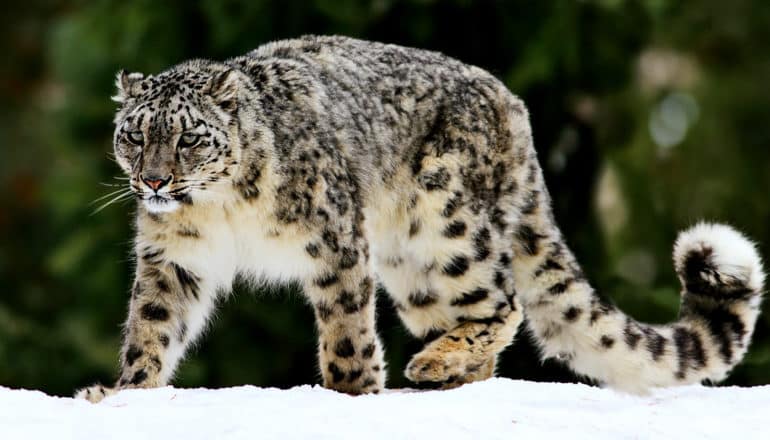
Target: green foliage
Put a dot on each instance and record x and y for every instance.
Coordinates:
(648, 115)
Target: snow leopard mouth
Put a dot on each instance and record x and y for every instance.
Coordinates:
(158, 204)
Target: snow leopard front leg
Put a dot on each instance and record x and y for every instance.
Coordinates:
(342, 293)
(169, 306)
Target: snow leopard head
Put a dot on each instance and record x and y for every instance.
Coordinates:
(176, 134)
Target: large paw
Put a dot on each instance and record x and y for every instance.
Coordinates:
(95, 393)
(353, 368)
(448, 368)
(355, 375)
(355, 381)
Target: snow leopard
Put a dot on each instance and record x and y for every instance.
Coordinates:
(344, 165)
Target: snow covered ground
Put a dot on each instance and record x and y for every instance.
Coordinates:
(497, 408)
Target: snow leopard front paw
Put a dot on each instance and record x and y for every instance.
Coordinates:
(354, 371)
(95, 393)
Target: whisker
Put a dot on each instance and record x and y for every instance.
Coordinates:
(110, 194)
(117, 198)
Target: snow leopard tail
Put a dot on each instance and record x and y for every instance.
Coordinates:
(722, 284)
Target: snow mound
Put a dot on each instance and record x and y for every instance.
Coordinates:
(494, 409)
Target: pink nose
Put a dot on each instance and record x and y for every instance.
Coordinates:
(155, 182)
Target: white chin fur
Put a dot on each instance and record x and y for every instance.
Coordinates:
(158, 205)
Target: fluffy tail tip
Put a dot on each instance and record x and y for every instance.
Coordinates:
(716, 260)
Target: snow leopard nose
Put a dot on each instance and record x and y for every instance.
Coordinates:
(156, 182)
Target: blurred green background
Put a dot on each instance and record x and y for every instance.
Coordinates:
(648, 115)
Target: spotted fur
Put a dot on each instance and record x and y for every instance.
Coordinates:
(341, 164)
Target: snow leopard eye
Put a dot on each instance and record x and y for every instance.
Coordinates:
(188, 140)
(135, 137)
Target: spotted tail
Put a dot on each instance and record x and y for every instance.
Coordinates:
(722, 278)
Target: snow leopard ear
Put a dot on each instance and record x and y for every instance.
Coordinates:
(130, 85)
(223, 88)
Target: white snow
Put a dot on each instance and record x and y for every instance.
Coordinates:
(494, 409)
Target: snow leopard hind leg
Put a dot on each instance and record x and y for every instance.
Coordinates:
(456, 293)
(445, 238)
